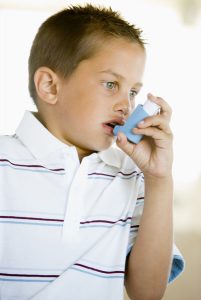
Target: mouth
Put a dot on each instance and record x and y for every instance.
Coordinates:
(109, 126)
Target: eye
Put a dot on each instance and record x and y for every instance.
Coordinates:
(110, 85)
(132, 94)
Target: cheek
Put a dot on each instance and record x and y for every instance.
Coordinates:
(132, 106)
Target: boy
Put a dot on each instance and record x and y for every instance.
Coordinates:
(76, 220)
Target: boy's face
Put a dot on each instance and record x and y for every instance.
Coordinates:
(100, 91)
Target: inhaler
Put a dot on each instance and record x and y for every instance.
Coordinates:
(141, 112)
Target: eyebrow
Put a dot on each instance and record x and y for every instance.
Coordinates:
(109, 71)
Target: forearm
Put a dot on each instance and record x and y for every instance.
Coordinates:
(149, 261)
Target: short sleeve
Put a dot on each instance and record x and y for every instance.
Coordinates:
(178, 264)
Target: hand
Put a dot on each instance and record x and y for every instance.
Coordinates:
(154, 154)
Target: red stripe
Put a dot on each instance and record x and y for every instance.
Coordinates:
(61, 220)
(105, 221)
(109, 175)
(27, 275)
(102, 174)
(98, 270)
(30, 218)
(128, 174)
(30, 166)
(135, 226)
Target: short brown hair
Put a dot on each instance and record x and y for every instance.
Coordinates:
(74, 34)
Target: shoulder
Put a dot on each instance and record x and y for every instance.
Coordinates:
(6, 142)
(11, 146)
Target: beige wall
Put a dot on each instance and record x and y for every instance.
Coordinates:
(188, 239)
(188, 285)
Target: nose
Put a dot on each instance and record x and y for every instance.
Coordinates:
(123, 106)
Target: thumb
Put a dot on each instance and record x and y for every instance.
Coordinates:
(123, 143)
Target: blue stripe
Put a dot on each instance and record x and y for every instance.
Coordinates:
(111, 178)
(99, 177)
(35, 213)
(36, 270)
(133, 230)
(31, 223)
(139, 202)
(25, 280)
(97, 275)
(105, 226)
(127, 177)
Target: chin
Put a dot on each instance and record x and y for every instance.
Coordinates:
(105, 145)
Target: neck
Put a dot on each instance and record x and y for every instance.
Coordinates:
(82, 152)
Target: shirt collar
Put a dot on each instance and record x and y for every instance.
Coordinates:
(36, 137)
(41, 142)
(111, 156)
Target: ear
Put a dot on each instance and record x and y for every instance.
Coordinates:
(46, 83)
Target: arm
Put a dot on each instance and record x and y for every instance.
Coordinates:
(149, 262)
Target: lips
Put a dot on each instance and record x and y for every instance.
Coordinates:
(109, 126)
(117, 121)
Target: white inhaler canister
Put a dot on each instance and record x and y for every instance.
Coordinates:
(141, 112)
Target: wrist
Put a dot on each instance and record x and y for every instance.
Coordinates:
(159, 188)
(148, 178)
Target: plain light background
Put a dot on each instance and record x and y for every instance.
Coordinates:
(172, 30)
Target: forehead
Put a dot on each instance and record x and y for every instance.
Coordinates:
(119, 56)
(118, 46)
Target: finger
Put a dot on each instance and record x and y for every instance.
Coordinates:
(156, 121)
(153, 132)
(123, 143)
(165, 107)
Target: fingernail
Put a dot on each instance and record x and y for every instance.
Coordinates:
(141, 122)
(118, 138)
(150, 95)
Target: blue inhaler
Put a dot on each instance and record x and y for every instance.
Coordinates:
(140, 113)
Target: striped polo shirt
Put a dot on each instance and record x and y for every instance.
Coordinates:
(66, 227)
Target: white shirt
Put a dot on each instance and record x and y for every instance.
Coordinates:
(65, 227)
